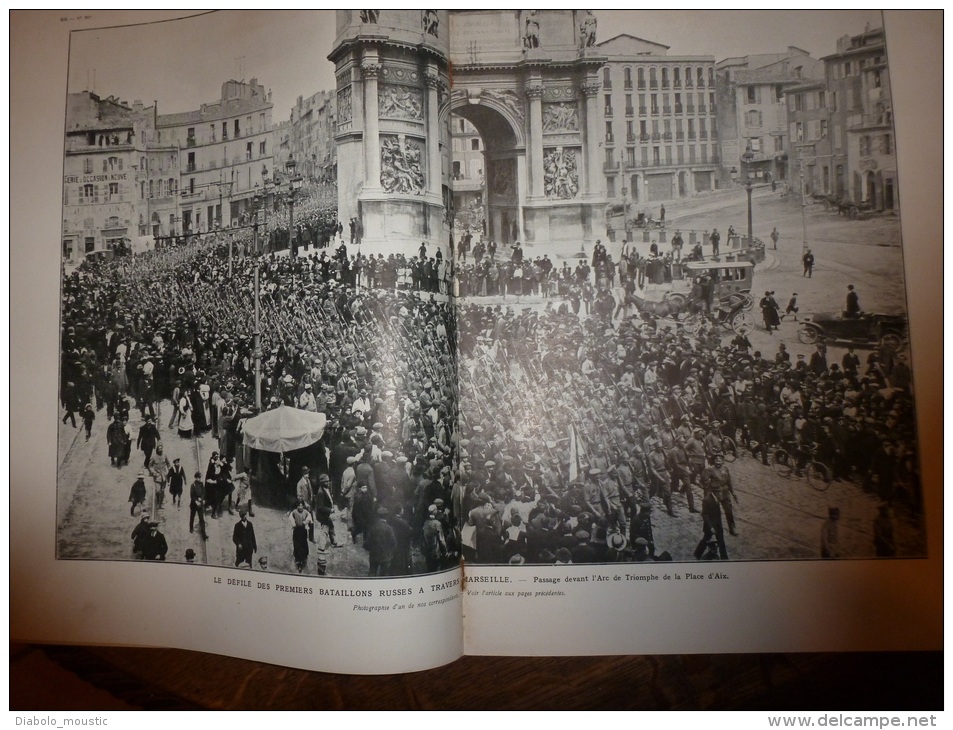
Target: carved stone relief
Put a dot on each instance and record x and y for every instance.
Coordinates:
(401, 165)
(560, 178)
(344, 104)
(561, 116)
(502, 177)
(400, 102)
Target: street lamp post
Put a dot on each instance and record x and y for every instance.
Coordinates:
(746, 159)
(265, 203)
(221, 203)
(803, 209)
(294, 185)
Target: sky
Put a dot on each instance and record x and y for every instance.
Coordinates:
(182, 63)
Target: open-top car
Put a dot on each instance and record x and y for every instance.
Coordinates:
(886, 330)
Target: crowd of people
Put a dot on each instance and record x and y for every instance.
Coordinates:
(571, 430)
(377, 360)
(454, 428)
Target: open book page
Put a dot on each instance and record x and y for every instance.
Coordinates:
(256, 354)
(687, 403)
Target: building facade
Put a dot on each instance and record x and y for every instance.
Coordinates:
(224, 155)
(659, 122)
(311, 137)
(753, 112)
(865, 168)
(466, 173)
(105, 141)
(812, 158)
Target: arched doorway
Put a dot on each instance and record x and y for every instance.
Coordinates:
(870, 188)
(491, 154)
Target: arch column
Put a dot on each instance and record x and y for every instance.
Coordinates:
(590, 92)
(534, 145)
(370, 69)
(432, 80)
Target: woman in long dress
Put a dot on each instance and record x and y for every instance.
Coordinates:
(185, 417)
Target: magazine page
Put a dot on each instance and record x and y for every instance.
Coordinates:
(687, 350)
(248, 331)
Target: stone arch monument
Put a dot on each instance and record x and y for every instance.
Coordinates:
(527, 80)
(391, 68)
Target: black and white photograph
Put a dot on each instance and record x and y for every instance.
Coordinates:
(374, 293)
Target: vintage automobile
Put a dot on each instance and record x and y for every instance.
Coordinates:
(731, 294)
(731, 282)
(885, 330)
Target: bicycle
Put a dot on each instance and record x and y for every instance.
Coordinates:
(801, 462)
(729, 449)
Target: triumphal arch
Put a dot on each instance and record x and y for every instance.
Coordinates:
(526, 79)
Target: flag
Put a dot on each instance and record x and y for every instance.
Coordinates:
(574, 459)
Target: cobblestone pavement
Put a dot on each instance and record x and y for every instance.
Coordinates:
(778, 518)
(93, 508)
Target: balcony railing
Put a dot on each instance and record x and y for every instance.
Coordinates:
(644, 138)
(702, 109)
(627, 85)
(676, 84)
(629, 111)
(653, 84)
(690, 109)
(608, 111)
(190, 142)
(667, 136)
(679, 109)
(610, 139)
(656, 137)
(703, 135)
(680, 137)
(654, 111)
(642, 111)
(190, 167)
(641, 86)
(630, 138)
(691, 136)
(631, 164)
(610, 166)
(666, 110)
